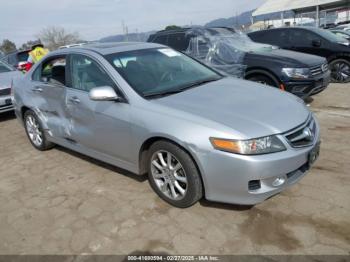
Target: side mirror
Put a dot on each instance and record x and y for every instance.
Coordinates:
(316, 43)
(103, 93)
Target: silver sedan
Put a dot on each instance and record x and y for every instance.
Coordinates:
(7, 76)
(152, 110)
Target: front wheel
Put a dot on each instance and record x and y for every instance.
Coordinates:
(173, 175)
(265, 80)
(35, 131)
(340, 71)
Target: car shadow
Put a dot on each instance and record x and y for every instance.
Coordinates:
(7, 116)
(103, 164)
(231, 207)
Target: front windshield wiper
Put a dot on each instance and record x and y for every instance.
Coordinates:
(199, 83)
(179, 90)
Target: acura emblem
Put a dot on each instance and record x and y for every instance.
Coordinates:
(308, 134)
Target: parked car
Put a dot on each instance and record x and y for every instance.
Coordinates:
(341, 33)
(17, 59)
(314, 41)
(300, 74)
(150, 109)
(344, 27)
(7, 75)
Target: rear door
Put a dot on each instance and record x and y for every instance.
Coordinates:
(47, 93)
(102, 126)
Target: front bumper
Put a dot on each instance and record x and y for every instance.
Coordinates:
(6, 104)
(228, 177)
(304, 89)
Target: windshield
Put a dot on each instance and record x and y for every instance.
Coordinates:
(5, 67)
(329, 35)
(160, 70)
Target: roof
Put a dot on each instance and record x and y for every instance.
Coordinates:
(109, 48)
(274, 6)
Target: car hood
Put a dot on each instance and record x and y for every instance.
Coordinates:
(250, 109)
(7, 77)
(297, 58)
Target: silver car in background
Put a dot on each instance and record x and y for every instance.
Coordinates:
(7, 76)
(149, 109)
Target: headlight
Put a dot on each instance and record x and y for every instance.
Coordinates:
(297, 73)
(263, 145)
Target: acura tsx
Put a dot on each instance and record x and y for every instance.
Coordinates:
(151, 110)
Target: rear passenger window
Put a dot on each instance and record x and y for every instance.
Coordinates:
(52, 71)
(178, 41)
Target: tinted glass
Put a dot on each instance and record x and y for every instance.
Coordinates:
(303, 38)
(159, 70)
(178, 41)
(23, 56)
(161, 39)
(87, 74)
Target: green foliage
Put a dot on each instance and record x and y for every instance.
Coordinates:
(172, 27)
(7, 46)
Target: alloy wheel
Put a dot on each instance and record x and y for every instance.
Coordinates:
(33, 129)
(341, 72)
(169, 175)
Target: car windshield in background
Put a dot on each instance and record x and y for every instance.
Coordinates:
(5, 67)
(160, 71)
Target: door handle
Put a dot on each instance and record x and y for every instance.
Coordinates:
(37, 90)
(74, 100)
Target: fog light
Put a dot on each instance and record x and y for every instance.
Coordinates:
(279, 181)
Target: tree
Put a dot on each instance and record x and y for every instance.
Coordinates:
(54, 37)
(28, 44)
(172, 27)
(7, 46)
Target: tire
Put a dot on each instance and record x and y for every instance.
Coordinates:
(340, 71)
(161, 176)
(265, 80)
(34, 131)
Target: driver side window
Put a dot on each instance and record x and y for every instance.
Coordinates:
(87, 74)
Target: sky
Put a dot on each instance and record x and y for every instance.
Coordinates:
(22, 20)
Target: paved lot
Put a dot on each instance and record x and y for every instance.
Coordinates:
(59, 202)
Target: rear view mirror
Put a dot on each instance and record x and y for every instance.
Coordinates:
(103, 93)
(316, 43)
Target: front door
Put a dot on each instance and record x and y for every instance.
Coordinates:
(102, 126)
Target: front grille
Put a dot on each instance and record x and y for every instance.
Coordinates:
(5, 92)
(320, 69)
(303, 135)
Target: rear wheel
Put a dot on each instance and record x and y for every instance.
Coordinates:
(265, 80)
(340, 71)
(173, 175)
(35, 132)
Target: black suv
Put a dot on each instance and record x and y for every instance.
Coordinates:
(314, 41)
(300, 74)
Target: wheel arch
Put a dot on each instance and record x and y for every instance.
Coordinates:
(143, 154)
(262, 71)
